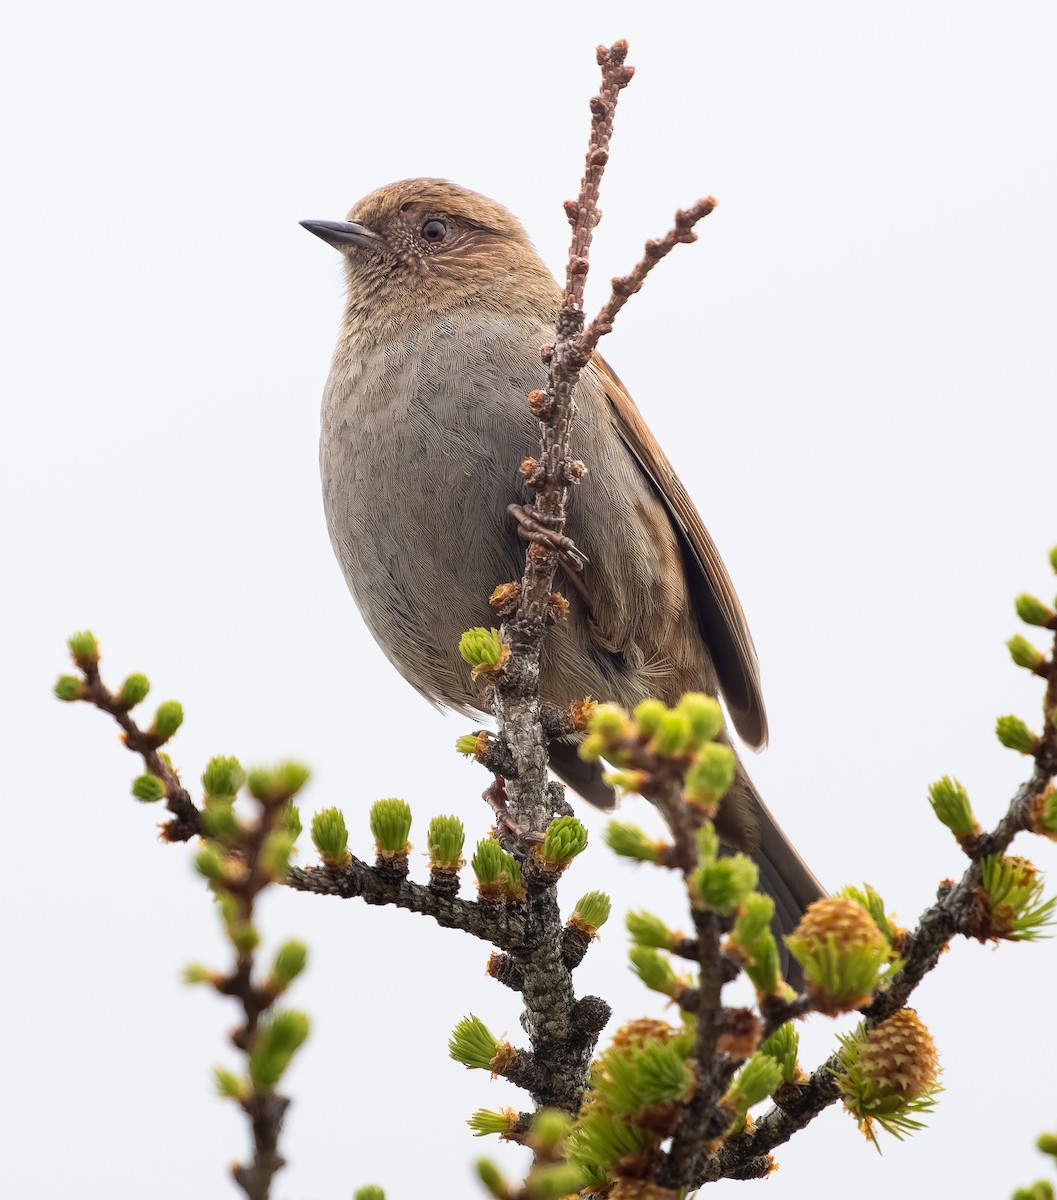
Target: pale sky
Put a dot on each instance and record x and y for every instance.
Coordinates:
(852, 371)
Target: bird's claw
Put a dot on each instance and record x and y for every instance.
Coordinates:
(533, 527)
(508, 832)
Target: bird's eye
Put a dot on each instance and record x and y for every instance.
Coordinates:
(435, 230)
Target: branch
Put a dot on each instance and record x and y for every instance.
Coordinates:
(521, 797)
(187, 820)
(625, 286)
(502, 925)
(954, 912)
(266, 1112)
(239, 858)
(515, 698)
(698, 1117)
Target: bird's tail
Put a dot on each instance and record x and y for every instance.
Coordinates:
(784, 875)
(585, 778)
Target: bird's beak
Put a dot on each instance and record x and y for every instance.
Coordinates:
(345, 233)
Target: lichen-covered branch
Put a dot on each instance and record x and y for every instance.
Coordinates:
(499, 924)
(526, 804)
(515, 698)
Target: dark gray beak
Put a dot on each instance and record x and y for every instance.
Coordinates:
(345, 233)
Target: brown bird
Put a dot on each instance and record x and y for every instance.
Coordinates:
(424, 425)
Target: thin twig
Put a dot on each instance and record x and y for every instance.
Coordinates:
(187, 819)
(698, 1118)
(264, 1106)
(266, 1111)
(248, 873)
(625, 286)
(584, 213)
(516, 699)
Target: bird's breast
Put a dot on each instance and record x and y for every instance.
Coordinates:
(421, 438)
(421, 441)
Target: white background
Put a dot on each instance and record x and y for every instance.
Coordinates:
(852, 371)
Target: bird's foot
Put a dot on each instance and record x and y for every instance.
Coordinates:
(509, 833)
(534, 526)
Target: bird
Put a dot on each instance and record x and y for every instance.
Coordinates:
(424, 424)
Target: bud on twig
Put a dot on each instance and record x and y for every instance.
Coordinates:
(445, 838)
(84, 649)
(1010, 901)
(591, 913)
(1024, 654)
(277, 851)
(369, 1191)
(757, 1080)
(497, 872)
(228, 1084)
(753, 942)
(950, 802)
(391, 825)
(292, 821)
(647, 930)
(493, 1181)
(278, 1038)
(1033, 612)
(541, 405)
(703, 715)
(148, 788)
(487, 1121)
(331, 837)
(656, 972)
(69, 687)
(223, 776)
(724, 885)
(483, 649)
(290, 961)
(475, 1047)
(276, 785)
(783, 1046)
(167, 720)
(630, 842)
(1044, 814)
(1015, 735)
(504, 599)
(133, 690)
(565, 838)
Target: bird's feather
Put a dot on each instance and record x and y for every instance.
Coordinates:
(716, 605)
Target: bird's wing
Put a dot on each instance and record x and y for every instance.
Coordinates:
(716, 604)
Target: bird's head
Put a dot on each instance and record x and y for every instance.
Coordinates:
(425, 247)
